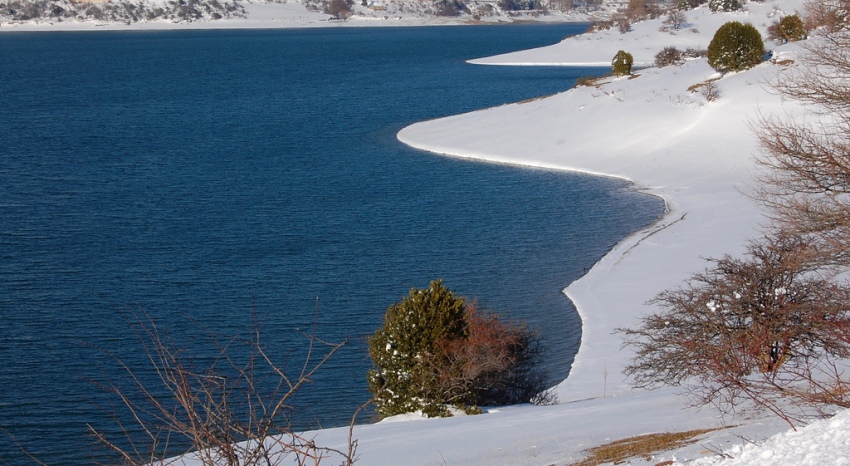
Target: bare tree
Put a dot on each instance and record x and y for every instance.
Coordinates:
(832, 15)
(806, 183)
(676, 19)
(751, 328)
(234, 410)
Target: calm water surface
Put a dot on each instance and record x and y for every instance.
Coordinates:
(209, 176)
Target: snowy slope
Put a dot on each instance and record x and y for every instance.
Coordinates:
(821, 443)
(645, 40)
(650, 129)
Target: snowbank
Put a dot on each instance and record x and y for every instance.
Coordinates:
(820, 443)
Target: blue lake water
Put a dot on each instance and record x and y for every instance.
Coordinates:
(214, 175)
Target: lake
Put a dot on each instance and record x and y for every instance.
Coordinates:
(213, 177)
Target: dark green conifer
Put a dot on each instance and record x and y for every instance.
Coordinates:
(621, 65)
(403, 350)
(791, 29)
(735, 47)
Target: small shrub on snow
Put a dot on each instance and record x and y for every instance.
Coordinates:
(676, 19)
(710, 91)
(596, 26)
(787, 29)
(691, 53)
(621, 65)
(669, 56)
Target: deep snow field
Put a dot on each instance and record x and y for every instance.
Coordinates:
(649, 128)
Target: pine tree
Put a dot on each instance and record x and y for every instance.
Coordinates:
(403, 351)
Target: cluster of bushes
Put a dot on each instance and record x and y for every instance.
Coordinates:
(829, 15)
(129, 12)
(435, 351)
(338, 9)
(673, 56)
(449, 7)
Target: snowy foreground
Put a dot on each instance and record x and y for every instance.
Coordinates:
(653, 129)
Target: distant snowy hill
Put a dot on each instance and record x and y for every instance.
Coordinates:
(143, 14)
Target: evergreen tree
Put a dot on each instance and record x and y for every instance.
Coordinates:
(404, 350)
(621, 65)
(735, 47)
(436, 351)
(791, 29)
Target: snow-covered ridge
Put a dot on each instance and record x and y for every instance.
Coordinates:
(220, 14)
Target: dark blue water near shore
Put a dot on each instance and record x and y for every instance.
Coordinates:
(212, 175)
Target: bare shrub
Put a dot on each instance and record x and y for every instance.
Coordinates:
(233, 410)
(339, 9)
(668, 56)
(449, 7)
(831, 15)
(587, 81)
(691, 53)
(710, 91)
(806, 181)
(496, 364)
(624, 25)
(676, 19)
(600, 25)
(747, 329)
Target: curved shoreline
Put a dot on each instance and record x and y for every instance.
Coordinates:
(616, 253)
(659, 153)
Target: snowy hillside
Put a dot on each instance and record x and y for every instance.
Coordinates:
(171, 14)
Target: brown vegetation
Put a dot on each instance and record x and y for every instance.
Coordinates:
(233, 410)
(642, 446)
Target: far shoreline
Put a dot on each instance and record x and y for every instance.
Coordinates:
(276, 23)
